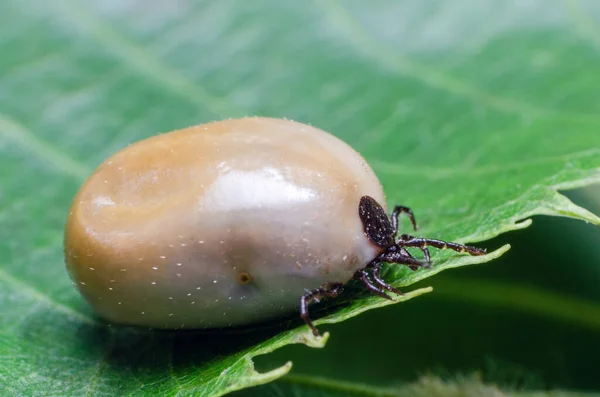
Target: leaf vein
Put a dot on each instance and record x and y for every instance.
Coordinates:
(143, 61)
(434, 173)
(18, 134)
(390, 58)
(24, 288)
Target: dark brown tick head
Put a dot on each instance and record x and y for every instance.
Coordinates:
(376, 222)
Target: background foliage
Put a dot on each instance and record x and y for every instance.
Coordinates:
(471, 112)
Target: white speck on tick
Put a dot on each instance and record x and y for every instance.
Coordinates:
(91, 268)
(110, 288)
(143, 313)
(170, 297)
(190, 294)
(229, 298)
(119, 303)
(192, 302)
(183, 244)
(163, 257)
(179, 264)
(214, 281)
(153, 283)
(154, 268)
(201, 242)
(82, 283)
(198, 287)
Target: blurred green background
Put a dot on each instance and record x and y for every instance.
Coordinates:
(461, 107)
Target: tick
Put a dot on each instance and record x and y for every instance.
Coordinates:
(231, 223)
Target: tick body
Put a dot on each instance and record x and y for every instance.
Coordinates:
(221, 224)
(231, 223)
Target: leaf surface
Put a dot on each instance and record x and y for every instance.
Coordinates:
(468, 113)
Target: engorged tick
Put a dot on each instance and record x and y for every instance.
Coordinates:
(231, 223)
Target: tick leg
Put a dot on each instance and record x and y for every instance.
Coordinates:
(363, 276)
(427, 263)
(380, 282)
(424, 249)
(427, 255)
(400, 209)
(402, 257)
(423, 243)
(327, 290)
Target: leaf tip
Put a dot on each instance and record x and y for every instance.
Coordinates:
(560, 205)
(311, 340)
(522, 224)
(259, 378)
(500, 251)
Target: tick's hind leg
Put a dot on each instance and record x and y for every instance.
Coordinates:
(422, 243)
(327, 290)
(380, 282)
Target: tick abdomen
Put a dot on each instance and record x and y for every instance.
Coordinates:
(222, 224)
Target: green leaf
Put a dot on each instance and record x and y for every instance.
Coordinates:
(473, 114)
